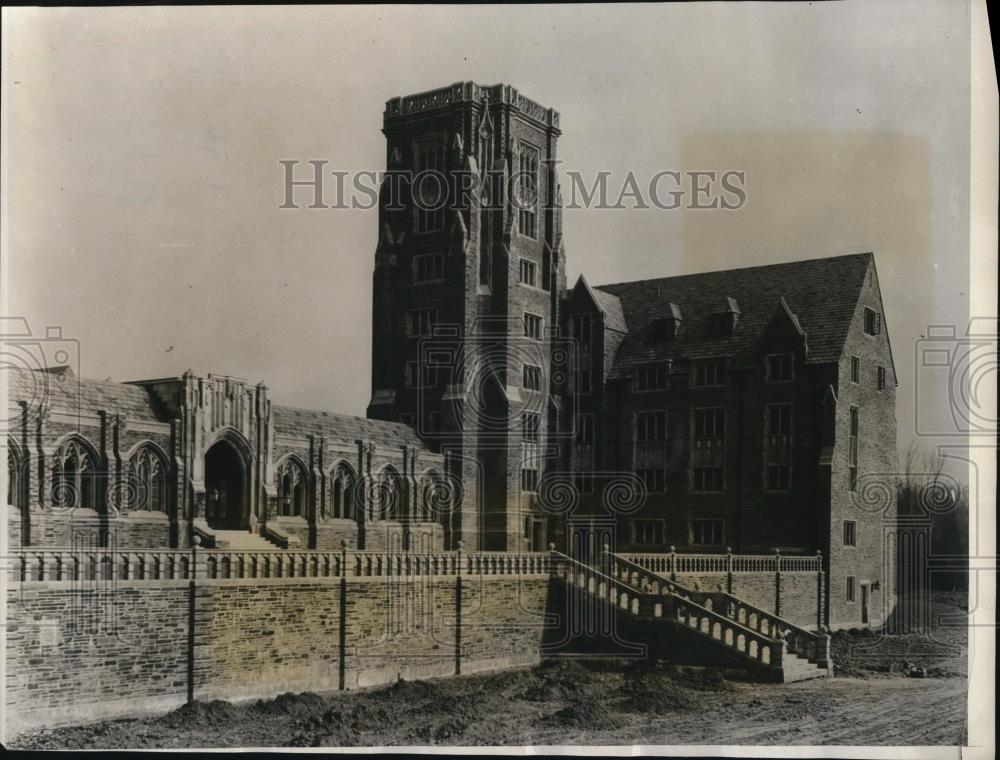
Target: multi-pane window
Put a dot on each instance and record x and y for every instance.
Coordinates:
(855, 369)
(527, 184)
(342, 490)
(881, 378)
(873, 322)
(648, 532)
(530, 426)
(420, 321)
(533, 326)
(585, 430)
(850, 588)
(74, 477)
(850, 533)
(429, 266)
(581, 328)
(532, 379)
(651, 426)
(147, 481)
(654, 479)
(529, 478)
(709, 372)
(852, 451)
(778, 368)
(707, 532)
(708, 449)
(529, 272)
(650, 377)
(430, 190)
(291, 479)
(778, 447)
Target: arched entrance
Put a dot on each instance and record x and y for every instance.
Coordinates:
(226, 502)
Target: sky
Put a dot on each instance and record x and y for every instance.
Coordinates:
(143, 183)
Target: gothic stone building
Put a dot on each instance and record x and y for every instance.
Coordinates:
(738, 409)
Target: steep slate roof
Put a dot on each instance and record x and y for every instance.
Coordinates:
(342, 427)
(64, 391)
(821, 293)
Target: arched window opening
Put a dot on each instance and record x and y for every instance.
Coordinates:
(147, 481)
(342, 491)
(74, 477)
(13, 477)
(389, 495)
(291, 479)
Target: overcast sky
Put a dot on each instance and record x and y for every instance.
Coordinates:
(144, 184)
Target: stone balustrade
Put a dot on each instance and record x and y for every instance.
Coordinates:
(74, 565)
(676, 562)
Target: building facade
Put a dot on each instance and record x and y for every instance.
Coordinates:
(750, 410)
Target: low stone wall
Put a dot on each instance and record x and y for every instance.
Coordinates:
(89, 649)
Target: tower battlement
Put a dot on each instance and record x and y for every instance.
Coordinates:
(469, 92)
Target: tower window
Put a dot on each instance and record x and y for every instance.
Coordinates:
(778, 368)
(420, 321)
(585, 431)
(530, 425)
(873, 322)
(527, 185)
(529, 479)
(881, 378)
(852, 451)
(532, 380)
(850, 533)
(585, 382)
(430, 189)
(855, 369)
(533, 326)
(428, 267)
(529, 272)
(850, 588)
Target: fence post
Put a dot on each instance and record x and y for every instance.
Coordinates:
(673, 563)
(192, 591)
(777, 582)
(729, 570)
(820, 590)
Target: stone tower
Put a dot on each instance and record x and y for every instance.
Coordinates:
(469, 269)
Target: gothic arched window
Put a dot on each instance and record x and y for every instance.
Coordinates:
(433, 499)
(342, 489)
(13, 477)
(147, 481)
(74, 476)
(291, 479)
(389, 495)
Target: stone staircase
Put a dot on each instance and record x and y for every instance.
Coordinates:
(242, 541)
(763, 645)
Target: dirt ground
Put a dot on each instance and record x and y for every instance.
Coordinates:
(903, 689)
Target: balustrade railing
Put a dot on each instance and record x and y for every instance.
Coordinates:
(58, 565)
(677, 562)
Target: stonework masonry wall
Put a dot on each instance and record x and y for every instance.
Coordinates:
(85, 651)
(797, 592)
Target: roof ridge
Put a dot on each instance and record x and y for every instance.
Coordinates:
(774, 265)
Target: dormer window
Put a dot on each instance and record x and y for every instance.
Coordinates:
(724, 322)
(667, 328)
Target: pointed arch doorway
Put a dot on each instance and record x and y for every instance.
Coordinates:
(227, 503)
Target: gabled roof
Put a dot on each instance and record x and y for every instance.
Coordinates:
(819, 294)
(60, 389)
(342, 427)
(610, 305)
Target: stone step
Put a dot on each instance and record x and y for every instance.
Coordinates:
(242, 541)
